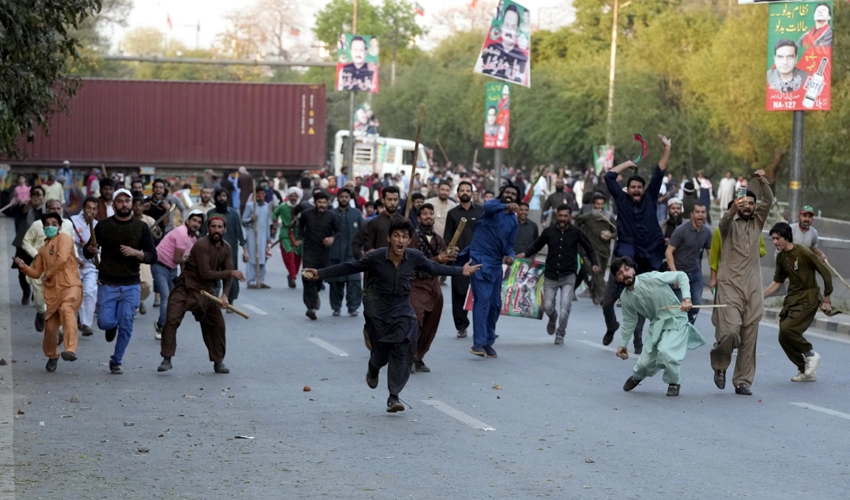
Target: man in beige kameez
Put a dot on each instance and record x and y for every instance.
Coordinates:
(739, 286)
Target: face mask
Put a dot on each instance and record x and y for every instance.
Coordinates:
(51, 231)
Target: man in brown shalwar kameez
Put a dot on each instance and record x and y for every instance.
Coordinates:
(739, 286)
(426, 297)
(209, 261)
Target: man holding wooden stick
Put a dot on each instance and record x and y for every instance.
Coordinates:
(670, 334)
(209, 261)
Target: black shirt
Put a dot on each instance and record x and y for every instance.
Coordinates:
(453, 221)
(315, 227)
(562, 259)
(374, 234)
(526, 234)
(115, 268)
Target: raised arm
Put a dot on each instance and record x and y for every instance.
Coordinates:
(493, 207)
(665, 156)
(766, 201)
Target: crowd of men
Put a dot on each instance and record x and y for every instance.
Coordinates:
(646, 252)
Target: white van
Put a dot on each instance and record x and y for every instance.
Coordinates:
(379, 155)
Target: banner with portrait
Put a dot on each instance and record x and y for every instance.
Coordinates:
(522, 289)
(497, 115)
(603, 159)
(357, 63)
(799, 56)
(506, 53)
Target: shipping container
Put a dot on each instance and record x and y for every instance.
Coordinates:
(132, 123)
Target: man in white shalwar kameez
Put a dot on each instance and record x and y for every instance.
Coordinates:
(670, 333)
(259, 217)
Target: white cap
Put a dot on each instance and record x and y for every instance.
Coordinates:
(66, 163)
(120, 192)
(195, 212)
(674, 201)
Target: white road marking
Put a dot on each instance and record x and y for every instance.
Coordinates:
(459, 415)
(254, 309)
(821, 409)
(324, 345)
(600, 346)
(7, 394)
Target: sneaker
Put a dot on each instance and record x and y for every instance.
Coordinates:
(311, 313)
(477, 350)
(116, 369)
(673, 390)
(143, 309)
(802, 377)
(111, 333)
(220, 368)
(420, 367)
(39, 322)
(336, 313)
(157, 330)
(491, 353)
(371, 379)
(86, 331)
(559, 340)
(165, 365)
(51, 364)
(461, 334)
(264, 286)
(353, 313)
(69, 356)
(812, 363)
(630, 384)
(553, 323)
(394, 405)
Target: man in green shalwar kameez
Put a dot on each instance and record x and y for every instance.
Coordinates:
(670, 333)
(284, 219)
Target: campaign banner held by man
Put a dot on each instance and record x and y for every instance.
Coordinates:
(506, 51)
(357, 63)
(497, 110)
(799, 58)
(603, 159)
(522, 289)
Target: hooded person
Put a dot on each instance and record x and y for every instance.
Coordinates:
(285, 221)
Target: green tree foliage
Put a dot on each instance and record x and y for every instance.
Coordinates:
(36, 41)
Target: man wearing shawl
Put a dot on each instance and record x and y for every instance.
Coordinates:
(670, 334)
(284, 219)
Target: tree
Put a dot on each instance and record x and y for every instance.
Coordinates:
(37, 41)
(268, 28)
(144, 41)
(400, 17)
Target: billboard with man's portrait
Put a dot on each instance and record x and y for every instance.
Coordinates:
(497, 115)
(506, 51)
(799, 56)
(357, 63)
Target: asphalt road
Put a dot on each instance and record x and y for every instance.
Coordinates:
(557, 425)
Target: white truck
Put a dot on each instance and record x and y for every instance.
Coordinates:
(379, 155)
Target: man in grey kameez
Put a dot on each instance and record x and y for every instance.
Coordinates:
(257, 214)
(739, 287)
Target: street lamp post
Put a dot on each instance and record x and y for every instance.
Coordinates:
(613, 70)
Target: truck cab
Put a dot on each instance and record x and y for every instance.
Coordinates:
(379, 155)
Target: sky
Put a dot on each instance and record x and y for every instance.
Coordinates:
(186, 14)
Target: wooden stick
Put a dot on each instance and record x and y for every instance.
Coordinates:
(219, 302)
(415, 161)
(835, 273)
(7, 206)
(458, 231)
(475, 157)
(606, 219)
(93, 241)
(443, 151)
(697, 307)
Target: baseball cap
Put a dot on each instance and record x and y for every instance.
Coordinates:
(807, 209)
(195, 212)
(120, 192)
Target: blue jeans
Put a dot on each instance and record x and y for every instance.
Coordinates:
(485, 310)
(697, 284)
(163, 283)
(116, 307)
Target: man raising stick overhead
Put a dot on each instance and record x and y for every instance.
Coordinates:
(392, 325)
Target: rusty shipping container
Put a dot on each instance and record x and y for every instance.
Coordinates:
(130, 123)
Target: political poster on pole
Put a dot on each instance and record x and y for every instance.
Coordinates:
(506, 51)
(799, 56)
(603, 159)
(497, 110)
(357, 63)
(522, 289)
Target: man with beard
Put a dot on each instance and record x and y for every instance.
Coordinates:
(492, 245)
(25, 216)
(319, 229)
(714, 256)
(426, 297)
(349, 287)
(670, 334)
(562, 240)
(527, 232)
(206, 202)
(171, 252)
(460, 284)
(392, 326)
(209, 261)
(256, 219)
(124, 242)
(684, 253)
(233, 235)
(805, 234)
(598, 226)
(158, 206)
(104, 203)
(739, 287)
(373, 234)
(55, 265)
(289, 232)
(88, 271)
(800, 267)
(639, 236)
(556, 199)
(674, 219)
(442, 204)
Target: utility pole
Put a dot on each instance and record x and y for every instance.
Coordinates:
(613, 71)
(796, 165)
(351, 97)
